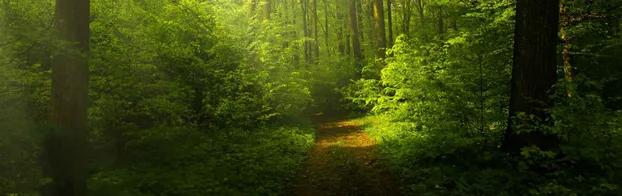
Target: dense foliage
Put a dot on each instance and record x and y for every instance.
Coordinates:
(175, 107)
(209, 97)
(446, 99)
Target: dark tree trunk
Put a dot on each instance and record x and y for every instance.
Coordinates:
(533, 74)
(354, 32)
(441, 22)
(406, 14)
(63, 157)
(381, 37)
(354, 37)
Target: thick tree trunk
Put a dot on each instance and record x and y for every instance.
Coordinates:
(354, 34)
(64, 149)
(267, 9)
(381, 38)
(533, 74)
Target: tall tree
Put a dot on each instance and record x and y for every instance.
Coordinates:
(390, 26)
(341, 44)
(251, 6)
(326, 27)
(565, 22)
(441, 22)
(64, 154)
(406, 15)
(304, 4)
(354, 31)
(267, 9)
(361, 24)
(381, 37)
(314, 20)
(420, 5)
(533, 73)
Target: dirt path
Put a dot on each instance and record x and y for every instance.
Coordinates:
(343, 162)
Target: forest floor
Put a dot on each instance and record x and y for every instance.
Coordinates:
(342, 162)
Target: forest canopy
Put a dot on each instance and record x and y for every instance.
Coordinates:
(242, 97)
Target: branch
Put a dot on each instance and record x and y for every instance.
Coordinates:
(593, 17)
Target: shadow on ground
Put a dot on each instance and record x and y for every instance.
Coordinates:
(343, 162)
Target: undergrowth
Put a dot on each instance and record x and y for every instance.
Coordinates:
(445, 164)
(240, 162)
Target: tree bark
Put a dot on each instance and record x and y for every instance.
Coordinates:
(304, 4)
(354, 32)
(341, 46)
(267, 9)
(315, 44)
(390, 26)
(420, 9)
(64, 147)
(360, 23)
(568, 70)
(533, 74)
(380, 32)
(252, 5)
(326, 26)
(441, 22)
(406, 15)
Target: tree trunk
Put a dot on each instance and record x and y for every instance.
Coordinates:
(371, 34)
(360, 23)
(354, 33)
(304, 4)
(326, 26)
(390, 27)
(420, 9)
(406, 13)
(267, 9)
(380, 32)
(316, 43)
(568, 70)
(340, 34)
(295, 32)
(441, 22)
(252, 5)
(533, 74)
(64, 147)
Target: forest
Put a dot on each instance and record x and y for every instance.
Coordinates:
(310, 97)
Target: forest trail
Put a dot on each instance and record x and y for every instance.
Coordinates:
(342, 162)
